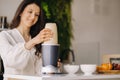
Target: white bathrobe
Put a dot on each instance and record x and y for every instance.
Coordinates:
(17, 59)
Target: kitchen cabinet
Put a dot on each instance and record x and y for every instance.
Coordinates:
(65, 77)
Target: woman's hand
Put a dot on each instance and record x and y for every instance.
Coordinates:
(43, 36)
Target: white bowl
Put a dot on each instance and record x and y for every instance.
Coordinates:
(71, 69)
(88, 69)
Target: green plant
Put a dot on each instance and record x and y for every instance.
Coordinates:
(59, 11)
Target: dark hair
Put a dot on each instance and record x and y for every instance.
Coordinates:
(35, 29)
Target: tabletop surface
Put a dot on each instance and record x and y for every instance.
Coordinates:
(64, 76)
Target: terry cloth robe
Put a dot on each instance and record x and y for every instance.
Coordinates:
(17, 59)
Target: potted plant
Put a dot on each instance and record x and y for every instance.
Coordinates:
(59, 11)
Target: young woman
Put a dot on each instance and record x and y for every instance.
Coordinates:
(20, 47)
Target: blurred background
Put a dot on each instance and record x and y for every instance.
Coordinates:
(95, 23)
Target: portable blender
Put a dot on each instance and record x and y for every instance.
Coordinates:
(50, 51)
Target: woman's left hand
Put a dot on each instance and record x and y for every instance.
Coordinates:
(43, 36)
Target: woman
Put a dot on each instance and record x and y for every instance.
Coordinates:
(20, 47)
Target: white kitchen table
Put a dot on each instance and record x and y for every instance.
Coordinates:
(65, 77)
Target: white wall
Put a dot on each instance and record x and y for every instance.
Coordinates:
(8, 8)
(96, 27)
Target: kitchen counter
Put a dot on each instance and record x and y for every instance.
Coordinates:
(65, 77)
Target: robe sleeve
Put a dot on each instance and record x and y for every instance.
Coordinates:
(15, 56)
